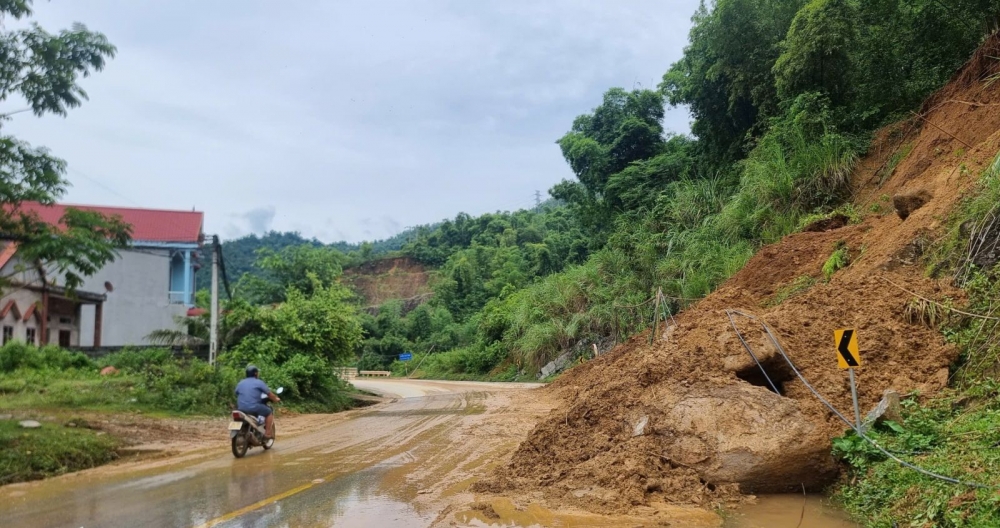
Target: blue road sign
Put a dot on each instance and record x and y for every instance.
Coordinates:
(405, 357)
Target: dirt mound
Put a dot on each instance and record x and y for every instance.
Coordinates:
(691, 419)
(382, 280)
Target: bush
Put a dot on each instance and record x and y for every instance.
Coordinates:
(17, 355)
(136, 361)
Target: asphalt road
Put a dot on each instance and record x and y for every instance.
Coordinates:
(364, 468)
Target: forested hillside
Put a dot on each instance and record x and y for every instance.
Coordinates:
(240, 253)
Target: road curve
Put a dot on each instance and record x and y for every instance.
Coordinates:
(354, 471)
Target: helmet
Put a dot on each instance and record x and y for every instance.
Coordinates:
(252, 371)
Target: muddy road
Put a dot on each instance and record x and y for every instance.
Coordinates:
(407, 462)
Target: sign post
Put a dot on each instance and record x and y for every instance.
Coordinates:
(848, 357)
(406, 357)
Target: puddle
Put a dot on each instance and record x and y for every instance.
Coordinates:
(356, 500)
(777, 511)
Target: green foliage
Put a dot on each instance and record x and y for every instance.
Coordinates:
(798, 286)
(301, 268)
(322, 325)
(241, 253)
(624, 129)
(838, 260)
(951, 435)
(729, 85)
(896, 158)
(815, 55)
(16, 355)
(30, 454)
(43, 69)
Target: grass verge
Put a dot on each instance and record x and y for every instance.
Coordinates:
(52, 449)
(953, 435)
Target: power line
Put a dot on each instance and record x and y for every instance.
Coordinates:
(78, 172)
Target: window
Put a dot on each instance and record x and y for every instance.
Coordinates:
(64, 338)
(32, 337)
(8, 334)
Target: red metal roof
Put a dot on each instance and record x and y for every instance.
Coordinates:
(148, 225)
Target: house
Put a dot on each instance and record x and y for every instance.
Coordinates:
(144, 289)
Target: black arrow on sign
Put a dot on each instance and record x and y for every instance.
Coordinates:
(845, 341)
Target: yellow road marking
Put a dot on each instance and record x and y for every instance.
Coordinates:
(255, 506)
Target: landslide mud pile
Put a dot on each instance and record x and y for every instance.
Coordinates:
(690, 420)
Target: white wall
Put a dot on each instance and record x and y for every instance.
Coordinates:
(138, 303)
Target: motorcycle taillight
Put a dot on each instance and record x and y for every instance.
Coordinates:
(236, 416)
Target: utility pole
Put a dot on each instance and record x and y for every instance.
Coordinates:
(213, 337)
(538, 198)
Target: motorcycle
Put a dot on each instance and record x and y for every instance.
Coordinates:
(247, 431)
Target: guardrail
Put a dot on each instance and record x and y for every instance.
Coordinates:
(345, 373)
(375, 373)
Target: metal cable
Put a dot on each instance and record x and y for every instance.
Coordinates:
(833, 409)
(750, 351)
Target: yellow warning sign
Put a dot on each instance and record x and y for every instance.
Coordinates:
(846, 340)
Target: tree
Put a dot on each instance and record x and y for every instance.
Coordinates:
(815, 55)
(302, 268)
(725, 76)
(43, 69)
(624, 129)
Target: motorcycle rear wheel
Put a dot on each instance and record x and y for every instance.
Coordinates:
(240, 445)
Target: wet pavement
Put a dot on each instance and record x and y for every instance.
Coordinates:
(334, 475)
(393, 465)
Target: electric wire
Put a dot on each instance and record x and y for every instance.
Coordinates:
(857, 430)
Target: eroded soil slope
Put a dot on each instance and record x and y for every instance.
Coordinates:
(689, 420)
(382, 280)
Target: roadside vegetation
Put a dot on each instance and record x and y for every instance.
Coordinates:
(52, 449)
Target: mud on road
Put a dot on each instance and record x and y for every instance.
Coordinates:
(410, 461)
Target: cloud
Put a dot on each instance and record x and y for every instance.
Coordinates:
(401, 112)
(260, 219)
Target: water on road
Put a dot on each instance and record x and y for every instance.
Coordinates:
(398, 464)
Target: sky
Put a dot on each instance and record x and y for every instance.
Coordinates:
(347, 120)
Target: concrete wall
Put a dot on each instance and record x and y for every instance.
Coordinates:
(138, 303)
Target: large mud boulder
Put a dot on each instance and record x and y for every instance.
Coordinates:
(746, 435)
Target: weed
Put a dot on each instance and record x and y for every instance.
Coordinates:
(798, 286)
(923, 312)
(894, 161)
(839, 259)
(952, 435)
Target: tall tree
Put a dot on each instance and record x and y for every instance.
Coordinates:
(44, 69)
(816, 54)
(624, 129)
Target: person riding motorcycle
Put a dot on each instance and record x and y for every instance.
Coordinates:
(249, 393)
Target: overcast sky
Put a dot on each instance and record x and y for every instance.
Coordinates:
(344, 120)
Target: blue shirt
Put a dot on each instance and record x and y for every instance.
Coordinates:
(248, 392)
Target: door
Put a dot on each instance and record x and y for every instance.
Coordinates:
(64, 338)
